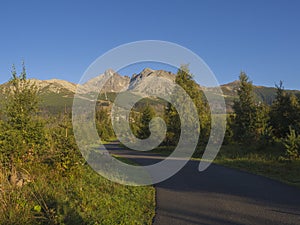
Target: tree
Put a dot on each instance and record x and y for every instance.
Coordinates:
(185, 80)
(23, 135)
(65, 154)
(264, 131)
(147, 115)
(284, 113)
(292, 144)
(104, 125)
(245, 124)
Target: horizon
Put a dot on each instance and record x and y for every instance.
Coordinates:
(61, 39)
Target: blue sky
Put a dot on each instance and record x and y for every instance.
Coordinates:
(59, 39)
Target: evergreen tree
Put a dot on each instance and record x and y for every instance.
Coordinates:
(23, 134)
(146, 116)
(264, 131)
(104, 125)
(246, 112)
(284, 113)
(185, 80)
(292, 145)
(65, 154)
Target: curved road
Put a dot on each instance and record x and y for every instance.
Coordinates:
(218, 195)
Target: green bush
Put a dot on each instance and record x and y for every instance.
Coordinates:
(292, 144)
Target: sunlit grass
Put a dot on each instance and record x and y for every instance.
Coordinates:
(81, 196)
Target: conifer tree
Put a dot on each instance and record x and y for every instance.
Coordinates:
(104, 125)
(186, 81)
(284, 113)
(147, 114)
(245, 124)
(23, 134)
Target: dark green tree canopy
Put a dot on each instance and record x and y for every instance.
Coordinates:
(285, 112)
(23, 134)
(185, 79)
(147, 114)
(246, 111)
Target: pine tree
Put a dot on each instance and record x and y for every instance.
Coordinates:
(65, 153)
(104, 125)
(185, 80)
(284, 113)
(246, 112)
(147, 115)
(23, 137)
(292, 145)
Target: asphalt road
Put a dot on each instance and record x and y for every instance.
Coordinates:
(219, 195)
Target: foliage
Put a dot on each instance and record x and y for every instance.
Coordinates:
(245, 110)
(229, 133)
(82, 197)
(104, 125)
(43, 178)
(251, 119)
(65, 154)
(23, 135)
(147, 115)
(249, 158)
(185, 80)
(284, 113)
(292, 145)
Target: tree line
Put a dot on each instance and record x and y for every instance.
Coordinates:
(26, 136)
(256, 122)
(251, 122)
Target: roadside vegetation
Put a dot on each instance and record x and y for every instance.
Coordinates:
(43, 177)
(260, 138)
(264, 139)
(266, 162)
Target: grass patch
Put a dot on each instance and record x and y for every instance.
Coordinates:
(287, 172)
(79, 197)
(261, 160)
(256, 159)
(168, 150)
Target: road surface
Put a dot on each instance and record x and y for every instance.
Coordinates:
(218, 195)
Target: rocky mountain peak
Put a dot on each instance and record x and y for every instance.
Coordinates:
(143, 82)
(115, 83)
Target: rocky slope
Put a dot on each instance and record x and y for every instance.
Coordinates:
(116, 83)
(148, 81)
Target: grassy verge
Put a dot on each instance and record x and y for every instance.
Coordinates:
(261, 160)
(80, 196)
(281, 171)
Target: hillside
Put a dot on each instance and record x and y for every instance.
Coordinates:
(261, 93)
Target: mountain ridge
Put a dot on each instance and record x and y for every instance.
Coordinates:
(57, 91)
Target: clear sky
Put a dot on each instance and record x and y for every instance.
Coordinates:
(59, 39)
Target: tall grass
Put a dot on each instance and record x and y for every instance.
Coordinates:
(81, 197)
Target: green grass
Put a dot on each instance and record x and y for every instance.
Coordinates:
(287, 172)
(167, 150)
(256, 159)
(80, 196)
(261, 160)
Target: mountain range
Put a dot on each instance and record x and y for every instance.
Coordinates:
(57, 94)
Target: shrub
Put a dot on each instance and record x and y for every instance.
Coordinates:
(292, 144)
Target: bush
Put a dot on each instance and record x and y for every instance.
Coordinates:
(292, 144)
